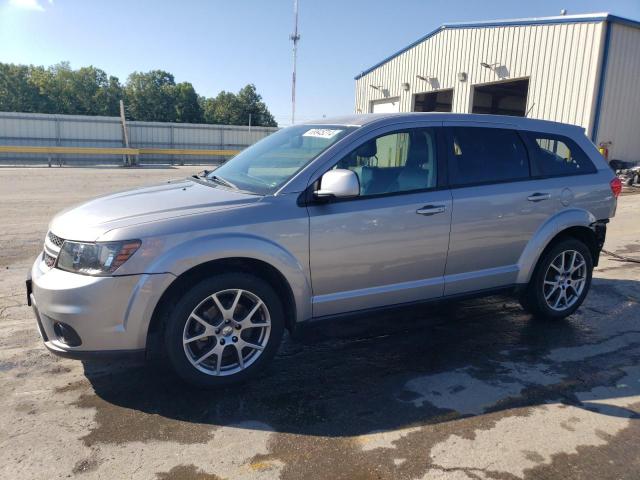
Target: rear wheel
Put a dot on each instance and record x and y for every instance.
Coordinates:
(560, 281)
(224, 330)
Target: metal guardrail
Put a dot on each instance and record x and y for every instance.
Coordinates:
(186, 151)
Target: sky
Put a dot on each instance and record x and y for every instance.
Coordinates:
(223, 45)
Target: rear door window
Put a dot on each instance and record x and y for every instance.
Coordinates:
(555, 155)
(486, 155)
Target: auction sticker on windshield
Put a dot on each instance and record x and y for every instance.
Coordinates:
(321, 133)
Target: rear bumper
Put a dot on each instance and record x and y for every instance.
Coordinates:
(600, 230)
(108, 315)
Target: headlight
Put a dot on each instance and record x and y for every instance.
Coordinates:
(101, 258)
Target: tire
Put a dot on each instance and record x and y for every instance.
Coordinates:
(543, 296)
(215, 338)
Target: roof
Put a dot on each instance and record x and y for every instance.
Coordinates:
(363, 119)
(588, 17)
(356, 120)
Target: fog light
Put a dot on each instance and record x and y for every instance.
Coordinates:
(67, 334)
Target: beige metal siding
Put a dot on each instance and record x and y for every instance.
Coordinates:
(620, 109)
(560, 60)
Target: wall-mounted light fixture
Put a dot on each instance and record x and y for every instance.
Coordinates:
(405, 86)
(432, 81)
(381, 88)
(490, 66)
(462, 76)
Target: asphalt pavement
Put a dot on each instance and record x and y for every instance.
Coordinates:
(471, 390)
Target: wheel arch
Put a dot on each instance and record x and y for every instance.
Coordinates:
(573, 223)
(259, 268)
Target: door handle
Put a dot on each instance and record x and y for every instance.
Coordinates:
(431, 210)
(538, 197)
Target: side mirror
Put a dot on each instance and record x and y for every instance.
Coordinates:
(338, 183)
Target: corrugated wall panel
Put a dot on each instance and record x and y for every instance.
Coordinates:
(88, 131)
(619, 121)
(560, 60)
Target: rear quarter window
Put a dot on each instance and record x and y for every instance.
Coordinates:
(555, 155)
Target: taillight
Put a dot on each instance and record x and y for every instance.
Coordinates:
(616, 186)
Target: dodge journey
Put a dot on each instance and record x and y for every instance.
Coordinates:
(327, 219)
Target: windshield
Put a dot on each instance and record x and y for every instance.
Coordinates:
(267, 165)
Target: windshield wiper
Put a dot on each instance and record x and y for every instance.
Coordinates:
(222, 181)
(202, 175)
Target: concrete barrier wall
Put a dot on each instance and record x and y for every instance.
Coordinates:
(34, 129)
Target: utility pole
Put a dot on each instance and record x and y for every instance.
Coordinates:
(295, 37)
(125, 133)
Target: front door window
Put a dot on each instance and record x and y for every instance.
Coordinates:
(397, 162)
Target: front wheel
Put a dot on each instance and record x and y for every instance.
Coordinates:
(560, 281)
(224, 330)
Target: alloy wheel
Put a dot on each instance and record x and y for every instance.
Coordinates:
(226, 332)
(564, 280)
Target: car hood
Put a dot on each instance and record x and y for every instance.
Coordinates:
(90, 220)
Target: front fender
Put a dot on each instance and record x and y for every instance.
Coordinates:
(184, 255)
(545, 234)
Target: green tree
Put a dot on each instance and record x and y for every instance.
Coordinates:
(222, 110)
(19, 92)
(234, 109)
(150, 96)
(58, 84)
(108, 98)
(80, 91)
(250, 103)
(187, 104)
(87, 91)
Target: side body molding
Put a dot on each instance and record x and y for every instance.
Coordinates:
(565, 219)
(189, 253)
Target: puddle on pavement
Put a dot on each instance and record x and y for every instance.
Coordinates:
(416, 388)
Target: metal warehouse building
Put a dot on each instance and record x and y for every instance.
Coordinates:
(579, 69)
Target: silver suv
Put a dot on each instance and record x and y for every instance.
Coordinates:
(319, 220)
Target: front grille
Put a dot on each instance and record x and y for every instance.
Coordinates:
(49, 261)
(52, 246)
(57, 241)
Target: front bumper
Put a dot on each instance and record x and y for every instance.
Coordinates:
(110, 315)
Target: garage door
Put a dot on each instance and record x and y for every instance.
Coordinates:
(386, 106)
(501, 98)
(439, 101)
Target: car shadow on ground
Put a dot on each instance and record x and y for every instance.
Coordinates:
(411, 368)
